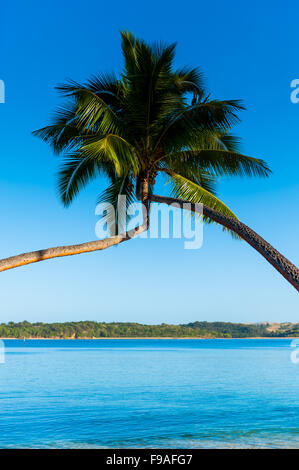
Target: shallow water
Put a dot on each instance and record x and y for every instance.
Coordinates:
(149, 393)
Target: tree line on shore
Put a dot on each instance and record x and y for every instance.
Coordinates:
(92, 329)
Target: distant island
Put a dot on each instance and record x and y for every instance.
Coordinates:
(198, 329)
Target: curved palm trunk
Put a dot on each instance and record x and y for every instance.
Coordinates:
(288, 270)
(41, 255)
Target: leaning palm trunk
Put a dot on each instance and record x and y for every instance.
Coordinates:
(288, 270)
(41, 255)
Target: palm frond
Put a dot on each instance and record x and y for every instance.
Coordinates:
(149, 78)
(106, 84)
(63, 133)
(189, 80)
(191, 120)
(188, 190)
(74, 174)
(115, 149)
(220, 163)
(92, 108)
(227, 141)
(194, 173)
(192, 192)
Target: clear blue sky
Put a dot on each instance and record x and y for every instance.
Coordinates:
(246, 51)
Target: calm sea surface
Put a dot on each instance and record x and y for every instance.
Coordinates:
(149, 393)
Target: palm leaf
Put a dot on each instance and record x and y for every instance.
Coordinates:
(63, 134)
(200, 117)
(92, 108)
(188, 190)
(198, 175)
(115, 149)
(75, 172)
(189, 80)
(220, 163)
(192, 192)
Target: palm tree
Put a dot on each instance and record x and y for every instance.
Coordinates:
(151, 120)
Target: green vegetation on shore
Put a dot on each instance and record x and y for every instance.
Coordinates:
(92, 329)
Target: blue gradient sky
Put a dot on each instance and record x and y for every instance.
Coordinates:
(247, 52)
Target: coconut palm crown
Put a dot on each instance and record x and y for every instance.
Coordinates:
(152, 119)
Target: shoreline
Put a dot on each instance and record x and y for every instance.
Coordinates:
(147, 337)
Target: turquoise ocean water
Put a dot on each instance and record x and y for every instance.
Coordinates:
(149, 393)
